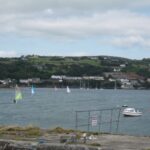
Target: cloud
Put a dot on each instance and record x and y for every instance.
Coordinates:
(8, 53)
(110, 23)
(130, 41)
(121, 21)
(74, 5)
(68, 53)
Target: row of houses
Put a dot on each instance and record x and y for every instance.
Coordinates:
(63, 77)
(126, 80)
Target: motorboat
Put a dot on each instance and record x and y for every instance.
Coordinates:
(131, 112)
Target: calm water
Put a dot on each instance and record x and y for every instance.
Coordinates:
(48, 108)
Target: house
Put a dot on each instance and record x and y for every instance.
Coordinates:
(148, 80)
(36, 80)
(123, 65)
(58, 77)
(127, 85)
(117, 69)
(4, 82)
(93, 78)
(111, 80)
(24, 81)
(73, 78)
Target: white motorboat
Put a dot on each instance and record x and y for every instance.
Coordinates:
(131, 112)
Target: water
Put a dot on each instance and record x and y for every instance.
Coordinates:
(48, 108)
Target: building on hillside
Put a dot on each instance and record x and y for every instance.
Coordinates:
(72, 78)
(93, 78)
(127, 80)
(122, 75)
(24, 81)
(123, 65)
(117, 69)
(58, 77)
(127, 85)
(148, 80)
(30, 80)
(36, 80)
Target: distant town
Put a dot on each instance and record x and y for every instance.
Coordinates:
(99, 72)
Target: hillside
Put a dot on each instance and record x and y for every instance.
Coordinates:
(45, 66)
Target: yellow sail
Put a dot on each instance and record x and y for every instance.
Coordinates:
(18, 94)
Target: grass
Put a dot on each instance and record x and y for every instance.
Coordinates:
(36, 131)
(33, 133)
(61, 130)
(28, 131)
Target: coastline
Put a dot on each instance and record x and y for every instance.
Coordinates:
(35, 138)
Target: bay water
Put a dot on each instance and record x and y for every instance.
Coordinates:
(50, 108)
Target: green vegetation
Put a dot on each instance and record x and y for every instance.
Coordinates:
(20, 131)
(60, 130)
(34, 133)
(44, 66)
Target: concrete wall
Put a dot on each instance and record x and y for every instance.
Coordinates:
(21, 145)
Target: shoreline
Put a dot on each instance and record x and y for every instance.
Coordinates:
(72, 87)
(58, 138)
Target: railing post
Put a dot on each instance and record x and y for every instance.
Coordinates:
(76, 127)
(118, 120)
(100, 118)
(89, 119)
(111, 120)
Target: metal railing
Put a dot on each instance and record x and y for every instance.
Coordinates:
(94, 119)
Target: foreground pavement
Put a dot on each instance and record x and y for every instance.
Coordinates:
(102, 142)
(123, 142)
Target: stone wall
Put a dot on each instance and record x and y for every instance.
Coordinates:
(22, 145)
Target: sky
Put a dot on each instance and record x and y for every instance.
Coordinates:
(75, 28)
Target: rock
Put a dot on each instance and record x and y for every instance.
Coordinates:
(21, 145)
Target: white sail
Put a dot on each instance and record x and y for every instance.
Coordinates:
(55, 88)
(68, 89)
(32, 90)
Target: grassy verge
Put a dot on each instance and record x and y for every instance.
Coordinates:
(28, 131)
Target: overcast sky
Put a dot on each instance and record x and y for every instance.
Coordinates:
(75, 28)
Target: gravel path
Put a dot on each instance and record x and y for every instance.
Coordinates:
(107, 142)
(123, 142)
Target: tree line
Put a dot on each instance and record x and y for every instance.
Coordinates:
(44, 66)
